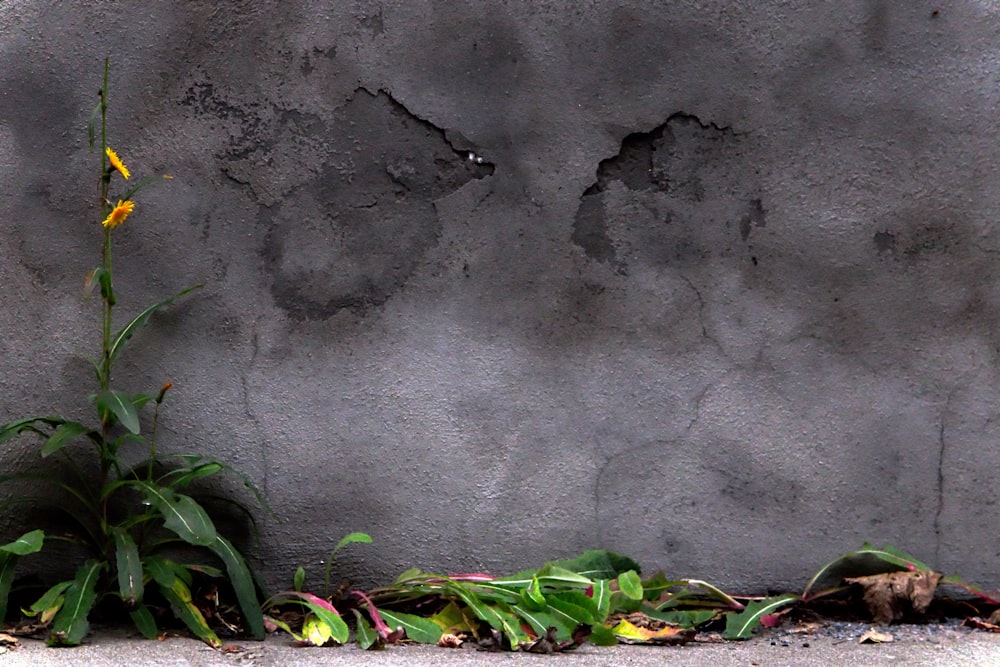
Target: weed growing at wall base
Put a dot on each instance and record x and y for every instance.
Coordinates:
(129, 504)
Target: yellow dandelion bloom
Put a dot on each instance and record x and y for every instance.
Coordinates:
(117, 216)
(116, 162)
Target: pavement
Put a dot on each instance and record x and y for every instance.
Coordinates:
(912, 645)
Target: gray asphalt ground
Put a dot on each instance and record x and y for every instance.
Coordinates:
(913, 645)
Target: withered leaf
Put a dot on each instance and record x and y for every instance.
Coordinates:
(449, 640)
(890, 596)
(873, 636)
(980, 624)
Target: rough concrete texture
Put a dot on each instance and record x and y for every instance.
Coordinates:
(717, 288)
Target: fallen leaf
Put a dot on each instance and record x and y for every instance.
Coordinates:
(873, 636)
(8, 641)
(980, 624)
(630, 633)
(891, 595)
(806, 628)
(449, 640)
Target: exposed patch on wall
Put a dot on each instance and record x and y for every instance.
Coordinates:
(677, 194)
(353, 233)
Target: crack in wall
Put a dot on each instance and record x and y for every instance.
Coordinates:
(942, 451)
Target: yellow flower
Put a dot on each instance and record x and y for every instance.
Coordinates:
(116, 162)
(118, 214)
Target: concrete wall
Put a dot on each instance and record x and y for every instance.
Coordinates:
(720, 291)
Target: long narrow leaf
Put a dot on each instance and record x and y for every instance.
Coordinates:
(181, 514)
(122, 337)
(144, 621)
(741, 626)
(179, 597)
(70, 625)
(601, 595)
(418, 628)
(65, 434)
(7, 563)
(129, 567)
(15, 428)
(242, 581)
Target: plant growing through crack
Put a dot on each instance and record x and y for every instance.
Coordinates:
(127, 511)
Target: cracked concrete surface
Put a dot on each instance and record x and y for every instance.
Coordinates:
(714, 285)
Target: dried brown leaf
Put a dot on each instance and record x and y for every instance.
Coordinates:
(873, 636)
(8, 641)
(891, 595)
(449, 640)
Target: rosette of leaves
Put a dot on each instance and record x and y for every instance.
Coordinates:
(128, 516)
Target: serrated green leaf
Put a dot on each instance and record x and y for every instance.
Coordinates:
(419, 629)
(50, 598)
(63, 435)
(541, 620)
(601, 635)
(181, 514)
(28, 543)
(686, 618)
(122, 337)
(630, 585)
(741, 625)
(129, 567)
(144, 621)
(121, 406)
(367, 637)
(242, 580)
(71, 623)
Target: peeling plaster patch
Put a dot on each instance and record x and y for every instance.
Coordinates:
(352, 234)
(674, 195)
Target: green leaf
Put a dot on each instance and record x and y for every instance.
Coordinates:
(299, 580)
(497, 616)
(419, 629)
(351, 538)
(28, 543)
(242, 580)
(144, 621)
(119, 404)
(70, 625)
(599, 564)
(602, 635)
(741, 625)
(52, 598)
(339, 631)
(181, 514)
(602, 599)
(532, 596)
(122, 337)
(367, 637)
(541, 620)
(7, 563)
(865, 561)
(129, 567)
(179, 597)
(686, 618)
(65, 434)
(15, 428)
(630, 585)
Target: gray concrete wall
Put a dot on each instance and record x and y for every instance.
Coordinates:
(721, 293)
